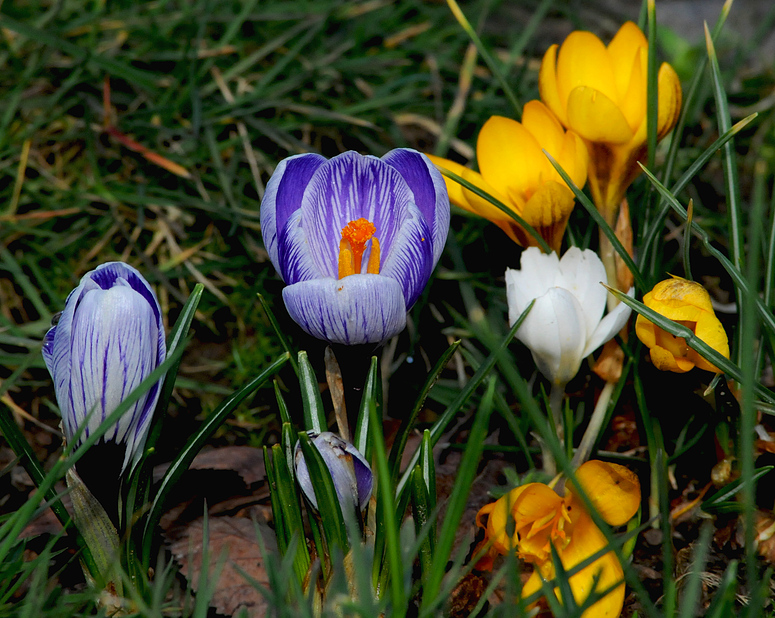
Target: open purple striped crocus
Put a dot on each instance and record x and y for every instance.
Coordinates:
(355, 238)
(108, 339)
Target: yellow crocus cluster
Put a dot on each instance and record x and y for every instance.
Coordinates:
(592, 121)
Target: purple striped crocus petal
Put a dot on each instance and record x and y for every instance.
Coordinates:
(353, 310)
(281, 199)
(410, 259)
(296, 261)
(346, 188)
(109, 338)
(430, 192)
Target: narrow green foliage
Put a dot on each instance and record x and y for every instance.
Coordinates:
(371, 397)
(314, 415)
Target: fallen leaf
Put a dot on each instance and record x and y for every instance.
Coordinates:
(232, 543)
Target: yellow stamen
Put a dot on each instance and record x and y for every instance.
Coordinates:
(372, 267)
(355, 235)
(346, 266)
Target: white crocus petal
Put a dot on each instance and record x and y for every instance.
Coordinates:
(554, 332)
(582, 273)
(609, 326)
(566, 322)
(538, 272)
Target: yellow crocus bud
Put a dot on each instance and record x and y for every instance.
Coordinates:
(688, 303)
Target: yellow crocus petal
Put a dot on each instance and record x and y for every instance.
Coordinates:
(613, 489)
(454, 189)
(584, 61)
(664, 360)
(634, 102)
(547, 85)
(510, 158)
(670, 98)
(623, 50)
(544, 126)
(607, 571)
(574, 159)
(676, 295)
(548, 211)
(595, 117)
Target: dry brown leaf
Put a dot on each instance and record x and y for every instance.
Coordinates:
(232, 542)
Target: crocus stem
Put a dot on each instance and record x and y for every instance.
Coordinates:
(608, 257)
(594, 427)
(555, 403)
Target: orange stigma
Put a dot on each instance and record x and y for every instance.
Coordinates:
(355, 235)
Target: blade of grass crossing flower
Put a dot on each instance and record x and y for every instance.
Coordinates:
(331, 516)
(372, 395)
(194, 445)
(312, 402)
(500, 205)
(397, 452)
(599, 219)
(279, 333)
(481, 373)
(765, 314)
(458, 498)
(491, 63)
(652, 95)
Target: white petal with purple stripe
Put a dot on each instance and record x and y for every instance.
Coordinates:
(353, 310)
(109, 338)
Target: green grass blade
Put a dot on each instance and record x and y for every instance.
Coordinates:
(314, 415)
(601, 222)
(458, 499)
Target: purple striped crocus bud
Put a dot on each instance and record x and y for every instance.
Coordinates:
(349, 470)
(108, 339)
(355, 238)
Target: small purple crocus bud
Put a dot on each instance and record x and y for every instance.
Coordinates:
(349, 470)
(108, 339)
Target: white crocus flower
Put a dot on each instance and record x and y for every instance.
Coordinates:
(566, 323)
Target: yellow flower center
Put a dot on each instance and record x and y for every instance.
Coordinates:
(536, 535)
(355, 235)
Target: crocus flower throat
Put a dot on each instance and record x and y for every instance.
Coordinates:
(355, 235)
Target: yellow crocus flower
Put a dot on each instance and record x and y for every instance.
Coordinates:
(599, 93)
(689, 304)
(542, 519)
(513, 169)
